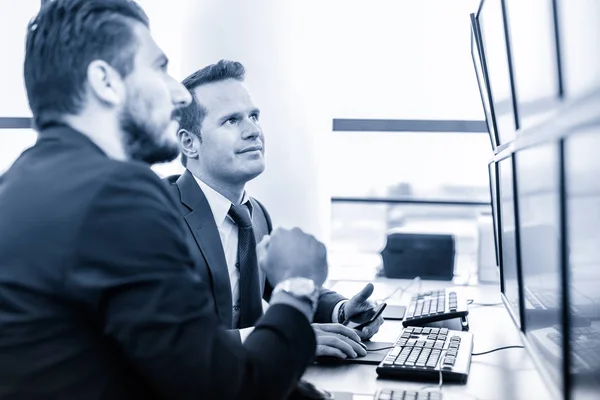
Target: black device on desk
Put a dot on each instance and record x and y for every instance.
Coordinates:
(434, 306)
(421, 353)
(360, 320)
(407, 255)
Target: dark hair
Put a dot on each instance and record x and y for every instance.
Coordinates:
(193, 115)
(63, 39)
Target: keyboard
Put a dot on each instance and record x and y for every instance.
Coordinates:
(421, 353)
(434, 306)
(389, 394)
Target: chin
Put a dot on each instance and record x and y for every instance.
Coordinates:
(254, 172)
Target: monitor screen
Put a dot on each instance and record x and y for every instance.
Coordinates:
(493, 39)
(492, 168)
(482, 82)
(532, 36)
(539, 226)
(582, 201)
(508, 242)
(579, 32)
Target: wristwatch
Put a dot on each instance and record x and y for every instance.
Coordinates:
(303, 289)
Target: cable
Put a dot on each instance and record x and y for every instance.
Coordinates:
(498, 349)
(402, 289)
(383, 348)
(486, 304)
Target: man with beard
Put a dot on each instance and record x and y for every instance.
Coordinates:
(98, 293)
(222, 146)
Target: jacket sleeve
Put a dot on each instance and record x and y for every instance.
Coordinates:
(327, 301)
(134, 277)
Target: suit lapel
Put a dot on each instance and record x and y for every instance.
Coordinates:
(206, 234)
(260, 228)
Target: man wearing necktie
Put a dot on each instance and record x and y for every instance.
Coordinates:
(222, 147)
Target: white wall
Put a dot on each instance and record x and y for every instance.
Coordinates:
(14, 16)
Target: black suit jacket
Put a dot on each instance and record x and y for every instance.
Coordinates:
(99, 298)
(208, 253)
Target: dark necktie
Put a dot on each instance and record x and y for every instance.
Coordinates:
(250, 297)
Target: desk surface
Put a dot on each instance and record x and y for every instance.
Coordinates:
(506, 374)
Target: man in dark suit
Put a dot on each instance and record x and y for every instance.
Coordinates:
(99, 296)
(222, 149)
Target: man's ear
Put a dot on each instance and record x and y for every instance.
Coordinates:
(188, 143)
(105, 83)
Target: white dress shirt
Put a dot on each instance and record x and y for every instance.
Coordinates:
(228, 233)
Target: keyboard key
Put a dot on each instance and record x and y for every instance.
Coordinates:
(444, 331)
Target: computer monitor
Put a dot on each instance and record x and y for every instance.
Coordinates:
(582, 205)
(535, 65)
(490, 19)
(509, 272)
(493, 173)
(538, 174)
(579, 35)
(482, 81)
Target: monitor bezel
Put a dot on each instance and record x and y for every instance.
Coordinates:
(513, 101)
(477, 47)
(517, 316)
(493, 170)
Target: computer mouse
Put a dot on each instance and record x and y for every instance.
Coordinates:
(306, 390)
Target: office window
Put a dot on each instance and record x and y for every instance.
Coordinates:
(392, 64)
(420, 167)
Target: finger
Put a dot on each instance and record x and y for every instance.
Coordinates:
(339, 343)
(341, 330)
(323, 350)
(364, 294)
(373, 327)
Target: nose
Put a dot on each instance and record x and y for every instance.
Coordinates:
(251, 130)
(180, 95)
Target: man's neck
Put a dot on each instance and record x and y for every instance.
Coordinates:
(232, 192)
(105, 133)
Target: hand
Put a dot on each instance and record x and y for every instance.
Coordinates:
(336, 340)
(292, 253)
(359, 303)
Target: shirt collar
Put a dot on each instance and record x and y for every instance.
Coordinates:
(220, 204)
